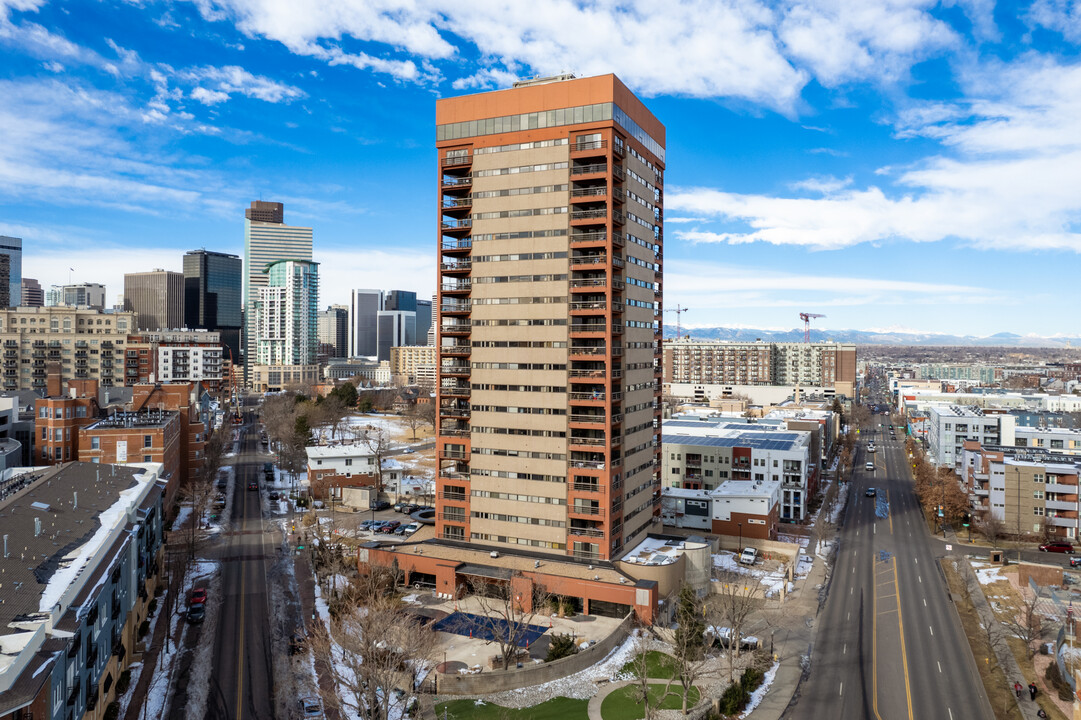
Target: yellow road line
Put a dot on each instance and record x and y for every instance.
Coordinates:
(889, 511)
(904, 653)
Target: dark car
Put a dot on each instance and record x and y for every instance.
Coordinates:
(268, 468)
(1075, 561)
(410, 508)
(378, 505)
(870, 492)
(390, 527)
(1059, 547)
(399, 506)
(196, 613)
(253, 485)
(367, 524)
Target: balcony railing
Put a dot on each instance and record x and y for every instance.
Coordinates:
(457, 181)
(589, 283)
(589, 305)
(449, 327)
(453, 203)
(589, 260)
(600, 214)
(452, 517)
(588, 441)
(590, 238)
(591, 510)
(461, 244)
(453, 412)
(587, 351)
(457, 391)
(592, 169)
(587, 487)
(453, 496)
(454, 369)
(585, 532)
(589, 145)
(588, 327)
(596, 395)
(454, 432)
(457, 160)
(459, 266)
(600, 191)
(457, 287)
(457, 224)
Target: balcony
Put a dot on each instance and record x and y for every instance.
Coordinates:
(591, 169)
(1061, 504)
(456, 160)
(452, 517)
(587, 487)
(455, 204)
(463, 286)
(456, 244)
(593, 327)
(457, 181)
(588, 351)
(456, 225)
(455, 390)
(446, 454)
(453, 496)
(589, 261)
(1064, 489)
(596, 214)
(593, 396)
(1059, 521)
(459, 350)
(460, 266)
(588, 239)
(454, 432)
(598, 306)
(456, 328)
(589, 510)
(454, 412)
(454, 308)
(588, 146)
(585, 532)
(596, 282)
(589, 194)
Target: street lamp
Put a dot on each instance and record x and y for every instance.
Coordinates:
(740, 526)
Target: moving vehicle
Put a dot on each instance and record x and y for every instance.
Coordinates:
(1058, 547)
(870, 492)
(1075, 561)
(196, 613)
(253, 485)
(870, 447)
(748, 556)
(869, 467)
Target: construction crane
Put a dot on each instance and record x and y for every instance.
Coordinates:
(679, 312)
(806, 318)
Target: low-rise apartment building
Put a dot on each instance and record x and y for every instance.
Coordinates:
(1024, 488)
(80, 562)
(701, 454)
(739, 508)
(949, 426)
(334, 467)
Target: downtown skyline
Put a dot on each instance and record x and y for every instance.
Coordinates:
(912, 179)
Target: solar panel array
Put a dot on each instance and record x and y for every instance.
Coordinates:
(758, 441)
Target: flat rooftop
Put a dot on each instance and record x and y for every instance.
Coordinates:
(143, 419)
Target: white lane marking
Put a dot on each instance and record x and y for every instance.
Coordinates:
(950, 712)
(857, 533)
(920, 578)
(853, 571)
(931, 629)
(844, 650)
(851, 590)
(841, 689)
(849, 616)
(939, 665)
(916, 560)
(925, 602)
(874, 529)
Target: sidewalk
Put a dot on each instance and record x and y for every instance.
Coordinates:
(149, 667)
(313, 624)
(792, 641)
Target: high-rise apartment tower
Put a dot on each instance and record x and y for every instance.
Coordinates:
(267, 239)
(33, 295)
(12, 247)
(549, 316)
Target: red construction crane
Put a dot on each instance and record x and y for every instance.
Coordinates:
(678, 311)
(806, 318)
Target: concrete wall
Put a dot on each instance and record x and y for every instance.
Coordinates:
(535, 674)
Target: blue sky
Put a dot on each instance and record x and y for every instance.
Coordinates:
(900, 164)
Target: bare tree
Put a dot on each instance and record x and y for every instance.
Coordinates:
(331, 414)
(737, 596)
(508, 608)
(1024, 620)
(650, 701)
(413, 418)
(689, 647)
(426, 410)
(992, 527)
(378, 444)
(198, 494)
(376, 650)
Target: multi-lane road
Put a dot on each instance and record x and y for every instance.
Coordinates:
(242, 678)
(889, 644)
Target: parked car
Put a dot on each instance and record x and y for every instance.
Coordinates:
(410, 508)
(1075, 561)
(723, 637)
(870, 492)
(1058, 547)
(367, 524)
(399, 505)
(748, 556)
(311, 708)
(390, 527)
(377, 525)
(268, 468)
(196, 613)
(408, 529)
(198, 596)
(378, 505)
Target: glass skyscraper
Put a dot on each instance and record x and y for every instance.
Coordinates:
(213, 283)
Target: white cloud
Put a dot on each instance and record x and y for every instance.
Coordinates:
(825, 185)
(48, 263)
(1061, 16)
(341, 269)
(216, 84)
(1009, 183)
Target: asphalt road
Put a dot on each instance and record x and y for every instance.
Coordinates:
(242, 677)
(889, 644)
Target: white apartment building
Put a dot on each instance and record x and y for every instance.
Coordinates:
(705, 453)
(949, 426)
(190, 364)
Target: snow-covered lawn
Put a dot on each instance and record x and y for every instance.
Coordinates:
(773, 581)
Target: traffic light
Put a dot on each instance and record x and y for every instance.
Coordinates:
(966, 520)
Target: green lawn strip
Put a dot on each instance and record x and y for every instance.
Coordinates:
(621, 703)
(658, 665)
(559, 708)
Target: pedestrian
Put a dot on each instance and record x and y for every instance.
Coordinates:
(1017, 689)
(1032, 690)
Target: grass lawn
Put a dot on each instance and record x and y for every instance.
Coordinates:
(559, 708)
(621, 705)
(658, 665)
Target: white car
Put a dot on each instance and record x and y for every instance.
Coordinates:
(869, 467)
(748, 556)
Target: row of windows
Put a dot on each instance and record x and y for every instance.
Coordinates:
(519, 344)
(519, 146)
(520, 323)
(489, 279)
(518, 519)
(540, 167)
(519, 410)
(520, 235)
(518, 541)
(520, 388)
(522, 212)
(514, 192)
(480, 429)
(538, 300)
(514, 257)
(500, 452)
(506, 474)
(541, 499)
(518, 366)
